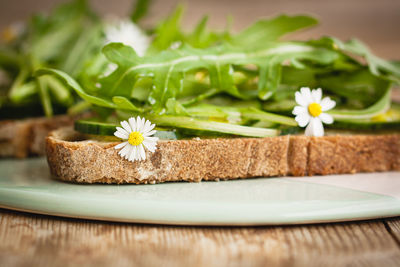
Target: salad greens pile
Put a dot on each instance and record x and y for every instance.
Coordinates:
(65, 39)
(68, 39)
(207, 82)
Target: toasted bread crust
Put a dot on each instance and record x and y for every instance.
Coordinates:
(352, 154)
(222, 158)
(22, 138)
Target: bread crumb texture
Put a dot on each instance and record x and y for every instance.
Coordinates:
(71, 158)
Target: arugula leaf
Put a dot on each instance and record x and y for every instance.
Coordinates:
(125, 104)
(140, 10)
(375, 64)
(355, 48)
(264, 31)
(68, 80)
(270, 78)
(167, 84)
(359, 85)
(61, 93)
(167, 32)
(174, 107)
(87, 41)
(221, 77)
(169, 35)
(167, 68)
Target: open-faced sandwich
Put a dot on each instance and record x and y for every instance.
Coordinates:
(208, 105)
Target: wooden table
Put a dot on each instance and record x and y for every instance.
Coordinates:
(35, 240)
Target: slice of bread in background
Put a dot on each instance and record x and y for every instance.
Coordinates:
(73, 158)
(22, 138)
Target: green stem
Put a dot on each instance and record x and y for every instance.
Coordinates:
(44, 97)
(381, 106)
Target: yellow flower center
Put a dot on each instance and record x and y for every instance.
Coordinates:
(315, 109)
(135, 138)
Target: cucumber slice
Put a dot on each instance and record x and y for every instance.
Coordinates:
(166, 135)
(95, 128)
(389, 120)
(365, 126)
(108, 129)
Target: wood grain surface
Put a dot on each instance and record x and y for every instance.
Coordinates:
(35, 240)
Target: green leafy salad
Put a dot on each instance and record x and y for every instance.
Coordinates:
(65, 39)
(201, 82)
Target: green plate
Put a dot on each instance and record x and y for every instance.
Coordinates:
(27, 185)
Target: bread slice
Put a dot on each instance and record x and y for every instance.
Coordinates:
(22, 138)
(73, 158)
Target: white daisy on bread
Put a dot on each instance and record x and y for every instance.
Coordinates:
(311, 109)
(138, 135)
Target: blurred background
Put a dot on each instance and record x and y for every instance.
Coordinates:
(374, 22)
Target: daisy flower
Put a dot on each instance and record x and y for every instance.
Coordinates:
(175, 45)
(310, 111)
(137, 133)
(13, 31)
(128, 33)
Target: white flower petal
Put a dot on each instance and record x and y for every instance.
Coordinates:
(152, 126)
(147, 134)
(315, 128)
(123, 152)
(133, 155)
(146, 127)
(302, 119)
(139, 124)
(309, 129)
(143, 123)
(132, 123)
(121, 133)
(128, 33)
(126, 126)
(151, 146)
(153, 139)
(128, 154)
(327, 103)
(301, 100)
(326, 118)
(316, 95)
(142, 153)
(121, 145)
(299, 110)
(306, 93)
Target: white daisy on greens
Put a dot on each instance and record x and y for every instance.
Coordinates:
(138, 135)
(311, 110)
(128, 33)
